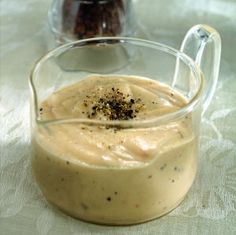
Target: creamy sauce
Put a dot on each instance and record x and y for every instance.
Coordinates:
(114, 175)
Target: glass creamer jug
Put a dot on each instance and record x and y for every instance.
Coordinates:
(115, 124)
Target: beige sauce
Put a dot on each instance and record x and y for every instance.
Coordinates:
(114, 175)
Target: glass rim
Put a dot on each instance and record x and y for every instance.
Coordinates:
(183, 111)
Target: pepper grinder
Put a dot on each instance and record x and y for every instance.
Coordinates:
(71, 20)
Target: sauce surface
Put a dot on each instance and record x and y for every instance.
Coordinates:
(112, 98)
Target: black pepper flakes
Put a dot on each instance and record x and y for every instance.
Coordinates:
(84, 206)
(180, 134)
(163, 167)
(114, 106)
(41, 111)
(178, 169)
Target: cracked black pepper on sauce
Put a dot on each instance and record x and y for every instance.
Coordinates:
(85, 19)
(114, 105)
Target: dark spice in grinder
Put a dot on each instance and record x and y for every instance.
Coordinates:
(85, 19)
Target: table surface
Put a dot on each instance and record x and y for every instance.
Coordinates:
(210, 206)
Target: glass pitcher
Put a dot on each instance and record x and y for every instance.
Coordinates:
(122, 169)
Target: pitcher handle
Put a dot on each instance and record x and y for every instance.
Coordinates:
(203, 44)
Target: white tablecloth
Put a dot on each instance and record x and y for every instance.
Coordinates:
(210, 206)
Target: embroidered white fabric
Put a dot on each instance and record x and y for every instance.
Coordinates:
(210, 206)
